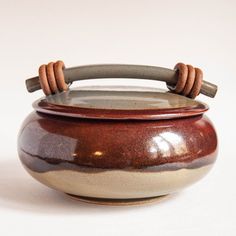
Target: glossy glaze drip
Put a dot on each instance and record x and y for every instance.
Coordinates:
(38, 164)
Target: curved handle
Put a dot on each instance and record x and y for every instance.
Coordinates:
(121, 71)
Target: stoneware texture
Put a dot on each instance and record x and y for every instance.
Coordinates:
(143, 148)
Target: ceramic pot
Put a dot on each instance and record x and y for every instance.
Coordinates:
(117, 143)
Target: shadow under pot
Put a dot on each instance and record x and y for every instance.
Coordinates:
(117, 145)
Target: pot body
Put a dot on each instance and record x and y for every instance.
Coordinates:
(117, 159)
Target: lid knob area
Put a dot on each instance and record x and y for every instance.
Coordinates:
(184, 79)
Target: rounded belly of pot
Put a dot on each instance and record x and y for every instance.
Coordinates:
(117, 159)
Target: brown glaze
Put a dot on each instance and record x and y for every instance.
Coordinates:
(48, 142)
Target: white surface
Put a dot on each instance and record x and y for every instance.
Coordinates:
(161, 33)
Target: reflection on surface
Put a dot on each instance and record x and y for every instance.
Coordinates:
(162, 145)
(124, 100)
(98, 154)
(167, 144)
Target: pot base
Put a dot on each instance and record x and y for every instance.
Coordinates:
(119, 184)
(118, 202)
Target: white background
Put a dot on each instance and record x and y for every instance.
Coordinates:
(202, 33)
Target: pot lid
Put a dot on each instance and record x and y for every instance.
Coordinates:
(119, 102)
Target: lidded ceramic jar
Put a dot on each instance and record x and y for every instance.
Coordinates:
(117, 143)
